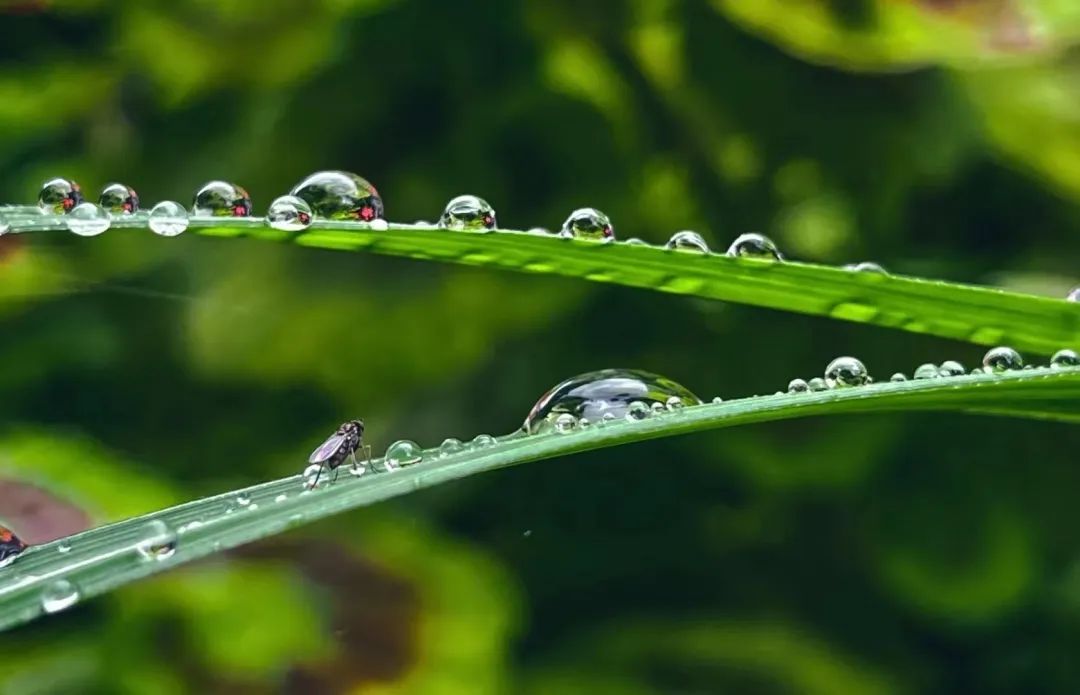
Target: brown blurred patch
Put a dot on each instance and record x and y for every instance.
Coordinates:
(38, 516)
(374, 616)
(10, 245)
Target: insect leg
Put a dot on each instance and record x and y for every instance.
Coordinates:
(315, 483)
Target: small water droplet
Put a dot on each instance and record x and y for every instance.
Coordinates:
(951, 368)
(468, 212)
(846, 371)
(754, 246)
(63, 547)
(612, 391)
(565, 422)
(1002, 359)
(118, 199)
(1065, 358)
(379, 225)
(1073, 295)
(289, 214)
(158, 542)
(340, 195)
(687, 240)
(539, 231)
(189, 527)
(221, 199)
(658, 408)
(607, 418)
(818, 384)
(634, 241)
(798, 386)
(168, 218)
(403, 453)
(281, 498)
(674, 403)
(87, 219)
(59, 595)
(928, 370)
(898, 377)
(717, 399)
(243, 500)
(59, 196)
(637, 410)
(588, 223)
(482, 441)
(450, 446)
(867, 267)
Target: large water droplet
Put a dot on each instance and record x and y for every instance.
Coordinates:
(340, 195)
(118, 199)
(951, 368)
(221, 199)
(158, 541)
(403, 453)
(59, 595)
(588, 223)
(1065, 358)
(927, 371)
(289, 213)
(818, 384)
(846, 371)
(59, 195)
(687, 240)
(168, 218)
(612, 391)
(1002, 359)
(450, 446)
(467, 212)
(754, 246)
(87, 219)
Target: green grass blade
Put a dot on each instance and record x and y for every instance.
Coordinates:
(105, 558)
(969, 313)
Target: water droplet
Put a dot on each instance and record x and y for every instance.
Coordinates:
(927, 371)
(190, 526)
(379, 225)
(281, 498)
(59, 595)
(1065, 358)
(168, 218)
(221, 199)
(818, 384)
(159, 541)
(951, 368)
(612, 391)
(403, 453)
(754, 246)
(289, 214)
(340, 195)
(588, 223)
(867, 267)
(118, 199)
(634, 241)
(467, 212)
(798, 386)
(450, 446)
(898, 377)
(313, 475)
(1002, 359)
(717, 399)
(674, 403)
(658, 408)
(59, 196)
(481, 441)
(687, 241)
(565, 422)
(638, 411)
(1073, 295)
(538, 231)
(87, 219)
(846, 371)
(63, 547)
(243, 500)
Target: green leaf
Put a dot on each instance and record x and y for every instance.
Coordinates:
(962, 312)
(105, 558)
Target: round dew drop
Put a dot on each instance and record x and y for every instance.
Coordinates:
(289, 213)
(846, 371)
(898, 377)
(1002, 359)
(818, 384)
(927, 371)
(340, 195)
(638, 411)
(588, 223)
(221, 199)
(59, 196)
(951, 368)
(798, 386)
(482, 441)
(118, 199)
(159, 541)
(87, 219)
(59, 595)
(565, 422)
(168, 218)
(403, 453)
(687, 241)
(1063, 359)
(754, 246)
(450, 446)
(468, 213)
(867, 267)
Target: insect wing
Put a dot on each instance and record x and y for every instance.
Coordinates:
(327, 449)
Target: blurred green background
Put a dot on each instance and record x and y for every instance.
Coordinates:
(883, 554)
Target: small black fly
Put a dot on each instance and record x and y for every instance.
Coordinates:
(339, 446)
(10, 546)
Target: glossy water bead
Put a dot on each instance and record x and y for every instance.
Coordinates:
(754, 246)
(59, 196)
(846, 371)
(687, 240)
(118, 199)
(588, 223)
(340, 195)
(289, 213)
(168, 218)
(1002, 359)
(87, 219)
(468, 212)
(221, 199)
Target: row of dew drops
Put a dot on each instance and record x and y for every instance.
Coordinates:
(594, 399)
(341, 195)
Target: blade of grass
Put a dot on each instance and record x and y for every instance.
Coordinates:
(108, 557)
(969, 313)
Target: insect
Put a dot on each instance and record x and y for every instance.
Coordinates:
(339, 446)
(10, 546)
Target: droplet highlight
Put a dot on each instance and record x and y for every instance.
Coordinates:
(951, 368)
(844, 372)
(1064, 359)
(59, 595)
(221, 199)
